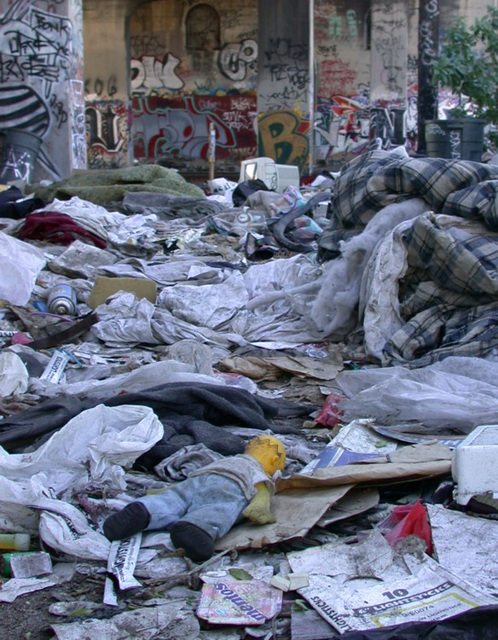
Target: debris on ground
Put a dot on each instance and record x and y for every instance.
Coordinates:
(152, 330)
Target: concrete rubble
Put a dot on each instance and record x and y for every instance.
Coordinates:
(352, 317)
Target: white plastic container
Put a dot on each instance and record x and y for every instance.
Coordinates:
(475, 464)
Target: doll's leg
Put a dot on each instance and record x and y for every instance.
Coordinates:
(166, 507)
(215, 507)
(196, 511)
(152, 512)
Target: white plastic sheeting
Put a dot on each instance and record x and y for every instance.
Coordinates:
(334, 310)
(14, 376)
(456, 393)
(20, 264)
(94, 447)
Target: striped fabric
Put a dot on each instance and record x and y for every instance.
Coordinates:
(374, 180)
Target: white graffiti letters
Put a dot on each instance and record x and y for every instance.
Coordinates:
(150, 74)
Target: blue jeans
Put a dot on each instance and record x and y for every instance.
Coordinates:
(211, 502)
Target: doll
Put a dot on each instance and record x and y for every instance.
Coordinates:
(205, 506)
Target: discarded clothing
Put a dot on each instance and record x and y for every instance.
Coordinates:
(179, 465)
(429, 288)
(56, 228)
(170, 207)
(15, 206)
(186, 407)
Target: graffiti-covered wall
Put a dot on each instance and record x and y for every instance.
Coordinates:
(192, 64)
(179, 127)
(365, 54)
(107, 99)
(306, 82)
(285, 82)
(41, 88)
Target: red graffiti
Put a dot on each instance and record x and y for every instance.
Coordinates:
(336, 78)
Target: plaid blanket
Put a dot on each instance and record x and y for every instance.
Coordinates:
(449, 296)
(376, 179)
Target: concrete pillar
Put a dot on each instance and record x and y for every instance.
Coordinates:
(284, 81)
(107, 93)
(41, 82)
(389, 50)
(428, 43)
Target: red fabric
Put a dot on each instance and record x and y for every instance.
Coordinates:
(56, 228)
(408, 520)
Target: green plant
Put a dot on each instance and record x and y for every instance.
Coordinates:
(468, 65)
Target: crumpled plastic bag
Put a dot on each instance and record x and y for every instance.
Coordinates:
(20, 264)
(67, 531)
(455, 394)
(14, 376)
(407, 520)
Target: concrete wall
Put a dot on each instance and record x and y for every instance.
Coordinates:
(157, 75)
(343, 70)
(193, 64)
(41, 85)
(366, 66)
(153, 88)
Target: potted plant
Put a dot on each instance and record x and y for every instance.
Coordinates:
(467, 65)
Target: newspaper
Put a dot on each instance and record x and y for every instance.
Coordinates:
(120, 567)
(240, 602)
(384, 594)
(453, 531)
(355, 442)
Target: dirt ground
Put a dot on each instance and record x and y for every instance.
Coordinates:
(28, 617)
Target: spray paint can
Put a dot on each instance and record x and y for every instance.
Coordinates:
(62, 300)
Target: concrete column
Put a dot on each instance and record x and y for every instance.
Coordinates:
(41, 82)
(284, 81)
(107, 83)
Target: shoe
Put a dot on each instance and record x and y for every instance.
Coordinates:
(127, 522)
(198, 545)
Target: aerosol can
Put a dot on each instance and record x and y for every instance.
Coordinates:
(62, 300)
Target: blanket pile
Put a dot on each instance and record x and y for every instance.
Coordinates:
(430, 286)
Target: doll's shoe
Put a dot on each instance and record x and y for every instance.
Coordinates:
(198, 544)
(127, 522)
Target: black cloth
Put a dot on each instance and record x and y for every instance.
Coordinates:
(476, 624)
(244, 189)
(198, 412)
(14, 205)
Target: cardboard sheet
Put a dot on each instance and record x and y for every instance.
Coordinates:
(407, 463)
(296, 511)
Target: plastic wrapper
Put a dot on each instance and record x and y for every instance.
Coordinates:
(408, 520)
(14, 376)
(20, 264)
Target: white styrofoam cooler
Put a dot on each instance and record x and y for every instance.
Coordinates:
(475, 464)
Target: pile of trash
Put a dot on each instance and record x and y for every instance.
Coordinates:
(151, 331)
